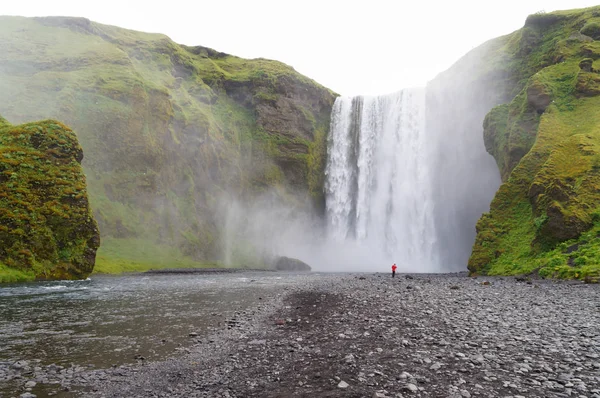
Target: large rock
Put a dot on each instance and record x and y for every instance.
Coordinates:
(47, 230)
(538, 96)
(291, 264)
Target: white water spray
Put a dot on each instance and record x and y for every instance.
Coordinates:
(378, 181)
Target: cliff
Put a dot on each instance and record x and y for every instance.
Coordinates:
(170, 132)
(545, 217)
(47, 230)
(465, 175)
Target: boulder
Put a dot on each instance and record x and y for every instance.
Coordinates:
(591, 29)
(586, 64)
(588, 83)
(290, 264)
(538, 96)
(47, 229)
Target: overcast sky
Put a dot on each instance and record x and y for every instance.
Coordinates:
(352, 46)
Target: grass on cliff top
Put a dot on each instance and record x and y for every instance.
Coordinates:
(117, 256)
(3, 122)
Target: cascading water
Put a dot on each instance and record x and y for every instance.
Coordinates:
(378, 182)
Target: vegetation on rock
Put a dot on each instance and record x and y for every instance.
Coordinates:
(545, 218)
(169, 131)
(47, 230)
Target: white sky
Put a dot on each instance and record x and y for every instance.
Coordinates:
(352, 46)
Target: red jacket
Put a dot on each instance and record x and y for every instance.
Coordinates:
(394, 267)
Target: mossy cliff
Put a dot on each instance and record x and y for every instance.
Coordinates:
(47, 230)
(545, 217)
(169, 131)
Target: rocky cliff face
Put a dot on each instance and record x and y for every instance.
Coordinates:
(47, 230)
(545, 139)
(170, 132)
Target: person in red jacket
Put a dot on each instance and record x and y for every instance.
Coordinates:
(394, 270)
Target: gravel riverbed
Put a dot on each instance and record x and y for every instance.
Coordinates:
(368, 335)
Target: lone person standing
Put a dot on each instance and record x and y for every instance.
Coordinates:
(394, 270)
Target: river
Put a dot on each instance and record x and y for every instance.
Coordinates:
(108, 320)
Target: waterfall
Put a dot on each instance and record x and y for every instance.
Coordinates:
(379, 180)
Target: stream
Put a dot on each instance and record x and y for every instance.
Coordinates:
(107, 321)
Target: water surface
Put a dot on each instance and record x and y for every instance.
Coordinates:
(112, 320)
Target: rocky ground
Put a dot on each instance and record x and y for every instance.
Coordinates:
(374, 336)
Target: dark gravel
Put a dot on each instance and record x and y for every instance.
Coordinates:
(374, 336)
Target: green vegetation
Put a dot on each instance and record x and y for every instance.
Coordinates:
(116, 256)
(546, 142)
(166, 129)
(592, 30)
(47, 230)
(12, 275)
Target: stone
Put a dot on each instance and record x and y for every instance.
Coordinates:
(290, 264)
(586, 64)
(342, 384)
(411, 387)
(257, 342)
(435, 366)
(538, 96)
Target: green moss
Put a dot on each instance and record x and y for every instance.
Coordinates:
(12, 275)
(46, 226)
(546, 142)
(591, 29)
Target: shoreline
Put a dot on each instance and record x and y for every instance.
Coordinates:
(368, 335)
(374, 336)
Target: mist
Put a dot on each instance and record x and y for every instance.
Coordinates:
(256, 233)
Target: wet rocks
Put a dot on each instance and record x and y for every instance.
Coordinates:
(503, 339)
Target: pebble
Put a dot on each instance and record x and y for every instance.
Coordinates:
(433, 341)
(435, 366)
(411, 387)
